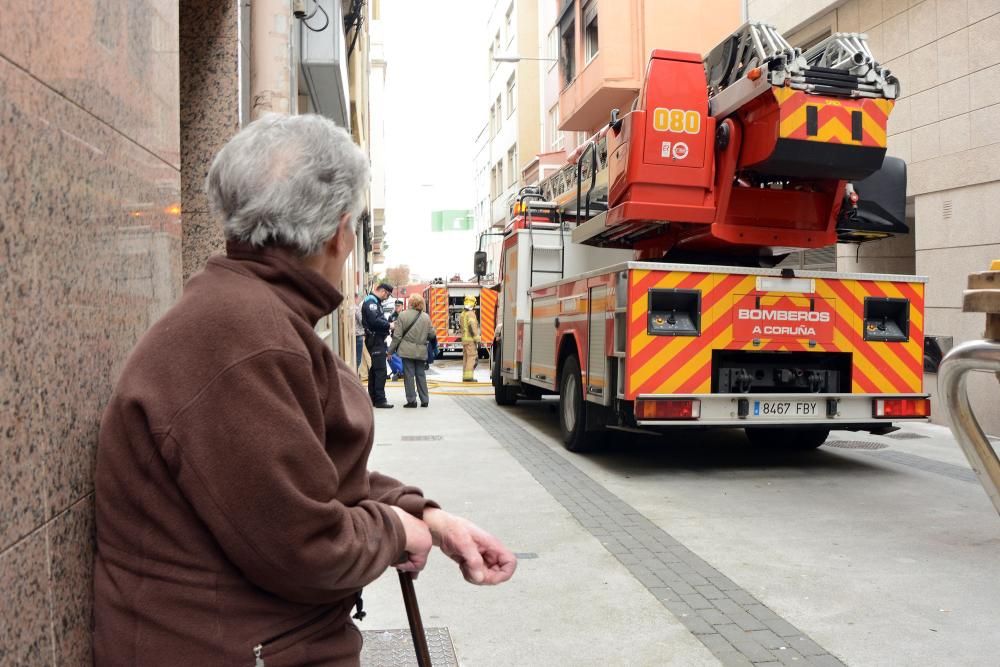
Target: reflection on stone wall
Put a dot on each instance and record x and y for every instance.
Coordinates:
(90, 255)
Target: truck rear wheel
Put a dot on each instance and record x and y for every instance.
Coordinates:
(793, 438)
(503, 394)
(572, 410)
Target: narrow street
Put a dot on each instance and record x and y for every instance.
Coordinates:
(694, 550)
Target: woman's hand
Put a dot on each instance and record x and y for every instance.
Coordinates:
(483, 559)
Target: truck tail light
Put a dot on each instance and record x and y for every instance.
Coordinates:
(889, 408)
(646, 409)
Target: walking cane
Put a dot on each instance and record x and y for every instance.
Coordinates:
(413, 616)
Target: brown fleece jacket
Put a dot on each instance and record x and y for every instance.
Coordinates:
(234, 503)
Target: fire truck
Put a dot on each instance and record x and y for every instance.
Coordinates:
(642, 282)
(445, 303)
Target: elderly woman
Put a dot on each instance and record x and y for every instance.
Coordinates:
(236, 518)
(409, 340)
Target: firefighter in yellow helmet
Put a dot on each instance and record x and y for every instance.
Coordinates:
(470, 339)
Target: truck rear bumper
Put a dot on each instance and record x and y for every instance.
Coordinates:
(762, 410)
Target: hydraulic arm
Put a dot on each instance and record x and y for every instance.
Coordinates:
(756, 150)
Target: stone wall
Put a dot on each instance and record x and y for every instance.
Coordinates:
(110, 113)
(90, 255)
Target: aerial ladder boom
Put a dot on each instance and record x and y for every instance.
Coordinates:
(756, 150)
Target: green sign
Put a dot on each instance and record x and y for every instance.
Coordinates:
(451, 221)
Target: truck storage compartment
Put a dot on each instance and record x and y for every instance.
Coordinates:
(748, 372)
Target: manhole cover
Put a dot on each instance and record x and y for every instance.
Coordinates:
(421, 438)
(906, 435)
(394, 648)
(855, 444)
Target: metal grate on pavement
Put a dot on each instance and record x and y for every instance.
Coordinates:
(421, 438)
(855, 444)
(394, 648)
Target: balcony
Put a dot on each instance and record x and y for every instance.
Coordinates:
(621, 34)
(586, 103)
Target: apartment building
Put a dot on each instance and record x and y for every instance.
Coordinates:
(946, 125)
(376, 120)
(556, 143)
(511, 134)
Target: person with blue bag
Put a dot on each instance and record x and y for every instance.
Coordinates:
(410, 337)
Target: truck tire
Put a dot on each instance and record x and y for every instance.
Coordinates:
(792, 438)
(572, 410)
(503, 394)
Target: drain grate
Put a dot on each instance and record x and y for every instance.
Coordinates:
(906, 435)
(421, 438)
(855, 444)
(394, 648)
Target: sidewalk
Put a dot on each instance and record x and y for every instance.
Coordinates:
(570, 602)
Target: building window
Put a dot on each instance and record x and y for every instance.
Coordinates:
(590, 41)
(552, 134)
(567, 52)
(508, 23)
(493, 122)
(496, 42)
(491, 64)
(511, 92)
(498, 178)
(499, 114)
(512, 166)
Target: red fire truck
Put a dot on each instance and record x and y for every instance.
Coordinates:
(641, 282)
(445, 302)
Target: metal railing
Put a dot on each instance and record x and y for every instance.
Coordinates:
(983, 296)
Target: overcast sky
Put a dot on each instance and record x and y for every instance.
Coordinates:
(435, 54)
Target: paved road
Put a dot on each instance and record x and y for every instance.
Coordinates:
(699, 549)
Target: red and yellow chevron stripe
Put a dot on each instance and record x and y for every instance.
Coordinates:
(683, 364)
(438, 304)
(834, 118)
(488, 314)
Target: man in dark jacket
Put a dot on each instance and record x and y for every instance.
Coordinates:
(376, 331)
(237, 521)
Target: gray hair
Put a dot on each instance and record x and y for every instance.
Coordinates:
(288, 180)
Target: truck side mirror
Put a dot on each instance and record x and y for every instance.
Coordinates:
(479, 263)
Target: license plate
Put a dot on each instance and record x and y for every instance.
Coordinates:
(786, 409)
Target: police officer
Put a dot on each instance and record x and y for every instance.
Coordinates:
(376, 329)
(394, 315)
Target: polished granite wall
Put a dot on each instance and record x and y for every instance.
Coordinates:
(210, 52)
(90, 255)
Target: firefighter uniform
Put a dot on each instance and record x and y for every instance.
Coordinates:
(470, 340)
